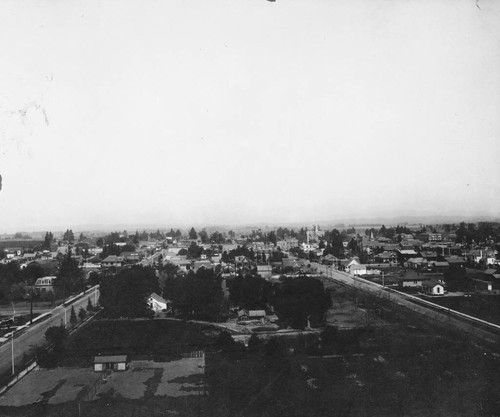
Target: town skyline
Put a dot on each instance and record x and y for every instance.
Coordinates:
(322, 224)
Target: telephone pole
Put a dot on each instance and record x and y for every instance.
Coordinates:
(13, 331)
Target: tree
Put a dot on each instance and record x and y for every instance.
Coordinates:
(93, 279)
(193, 234)
(69, 236)
(250, 292)
(56, 335)
(352, 245)
(72, 317)
(168, 273)
(271, 237)
(47, 241)
(217, 238)
(9, 274)
(456, 279)
(125, 294)
(82, 313)
(334, 246)
(199, 295)
(69, 278)
(301, 300)
(194, 251)
(203, 235)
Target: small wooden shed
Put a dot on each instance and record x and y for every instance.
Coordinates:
(110, 363)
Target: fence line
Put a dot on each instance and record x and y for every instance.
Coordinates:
(427, 303)
(19, 376)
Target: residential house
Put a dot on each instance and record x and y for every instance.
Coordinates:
(202, 264)
(12, 252)
(455, 260)
(112, 260)
(157, 303)
(412, 282)
(434, 237)
(429, 256)
(265, 271)
(287, 244)
(432, 287)
(412, 243)
(491, 274)
(481, 285)
(405, 254)
(247, 315)
(307, 247)
(385, 257)
(416, 263)
(44, 285)
(242, 261)
(330, 259)
(439, 266)
(356, 269)
(370, 245)
(293, 263)
(130, 257)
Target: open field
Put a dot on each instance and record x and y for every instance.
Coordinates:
(486, 307)
(143, 379)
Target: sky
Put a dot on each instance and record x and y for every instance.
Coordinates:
(199, 112)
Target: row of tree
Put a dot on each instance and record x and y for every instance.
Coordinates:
(199, 295)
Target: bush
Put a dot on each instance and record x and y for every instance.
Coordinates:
(45, 359)
(56, 335)
(82, 313)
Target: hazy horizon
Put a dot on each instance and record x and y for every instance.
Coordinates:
(322, 223)
(247, 112)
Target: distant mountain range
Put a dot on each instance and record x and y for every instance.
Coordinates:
(323, 224)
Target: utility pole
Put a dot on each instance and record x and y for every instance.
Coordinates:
(31, 307)
(12, 345)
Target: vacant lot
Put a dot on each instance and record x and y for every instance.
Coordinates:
(142, 380)
(486, 307)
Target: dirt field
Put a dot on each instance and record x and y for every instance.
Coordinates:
(141, 380)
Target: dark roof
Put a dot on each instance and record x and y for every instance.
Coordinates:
(454, 260)
(411, 279)
(113, 258)
(431, 283)
(110, 359)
